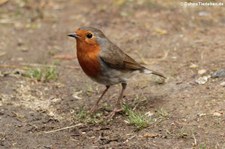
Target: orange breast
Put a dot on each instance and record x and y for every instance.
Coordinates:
(88, 59)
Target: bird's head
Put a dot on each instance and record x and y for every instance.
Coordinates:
(88, 36)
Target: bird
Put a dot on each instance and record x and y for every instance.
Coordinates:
(105, 63)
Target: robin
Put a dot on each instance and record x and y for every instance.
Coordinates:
(104, 62)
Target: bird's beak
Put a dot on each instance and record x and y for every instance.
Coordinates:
(74, 35)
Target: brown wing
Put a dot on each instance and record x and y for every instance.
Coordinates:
(115, 58)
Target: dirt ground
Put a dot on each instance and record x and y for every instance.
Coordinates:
(185, 43)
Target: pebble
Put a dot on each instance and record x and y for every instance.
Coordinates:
(202, 80)
(219, 74)
(201, 114)
(222, 84)
(24, 49)
(203, 13)
(202, 71)
(55, 99)
(76, 95)
(149, 114)
(151, 135)
(217, 114)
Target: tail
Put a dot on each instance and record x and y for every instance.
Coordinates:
(147, 71)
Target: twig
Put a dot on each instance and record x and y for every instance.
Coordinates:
(128, 139)
(64, 128)
(195, 141)
(166, 53)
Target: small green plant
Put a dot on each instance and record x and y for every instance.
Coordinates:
(84, 116)
(34, 73)
(44, 74)
(162, 113)
(50, 74)
(139, 120)
(183, 133)
(202, 146)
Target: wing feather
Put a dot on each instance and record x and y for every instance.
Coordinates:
(115, 58)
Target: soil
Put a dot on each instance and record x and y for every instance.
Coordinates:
(184, 43)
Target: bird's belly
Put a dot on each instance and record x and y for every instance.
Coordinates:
(100, 72)
(112, 76)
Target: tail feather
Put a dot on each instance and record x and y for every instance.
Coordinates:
(147, 71)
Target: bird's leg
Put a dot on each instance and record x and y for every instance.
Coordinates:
(118, 107)
(96, 104)
(118, 103)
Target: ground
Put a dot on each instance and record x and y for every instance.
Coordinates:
(45, 97)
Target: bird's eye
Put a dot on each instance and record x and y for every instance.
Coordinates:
(89, 35)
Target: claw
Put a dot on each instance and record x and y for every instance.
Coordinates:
(113, 113)
(94, 109)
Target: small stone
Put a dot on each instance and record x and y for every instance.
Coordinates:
(150, 135)
(217, 114)
(222, 84)
(76, 95)
(203, 13)
(201, 114)
(20, 59)
(18, 25)
(174, 57)
(202, 80)
(149, 114)
(55, 99)
(51, 113)
(126, 121)
(219, 74)
(202, 71)
(24, 49)
(161, 31)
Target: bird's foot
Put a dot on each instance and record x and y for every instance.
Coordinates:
(94, 109)
(113, 113)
